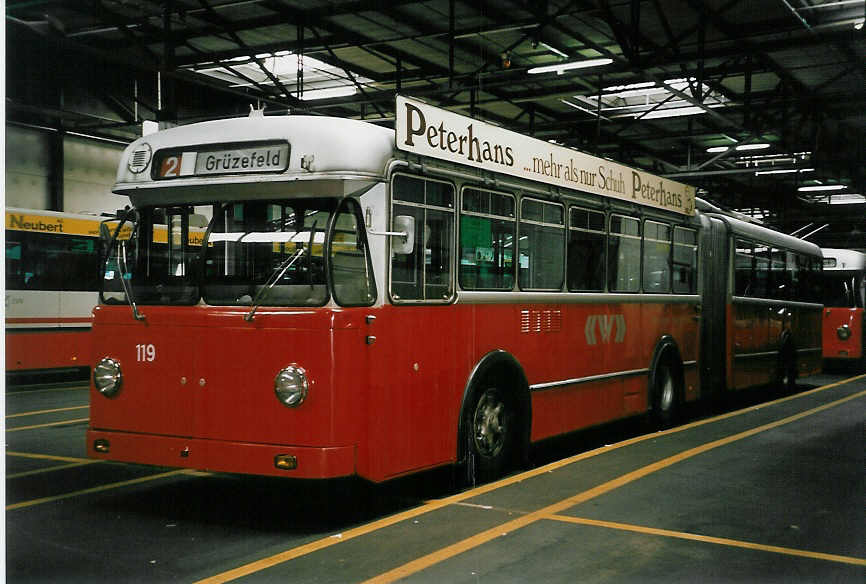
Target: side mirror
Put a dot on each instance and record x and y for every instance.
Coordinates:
(403, 241)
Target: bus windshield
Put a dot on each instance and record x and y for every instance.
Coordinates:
(844, 289)
(243, 253)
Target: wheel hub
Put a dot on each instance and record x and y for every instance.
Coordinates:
(489, 424)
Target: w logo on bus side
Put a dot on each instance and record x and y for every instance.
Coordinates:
(604, 323)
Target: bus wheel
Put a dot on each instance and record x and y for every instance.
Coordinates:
(664, 397)
(493, 430)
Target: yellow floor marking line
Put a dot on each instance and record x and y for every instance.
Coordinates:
(40, 412)
(32, 391)
(37, 426)
(28, 473)
(46, 456)
(98, 489)
(433, 505)
(709, 539)
(460, 547)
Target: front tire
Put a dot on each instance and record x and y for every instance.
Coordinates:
(492, 434)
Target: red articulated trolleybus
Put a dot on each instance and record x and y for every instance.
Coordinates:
(334, 298)
(844, 302)
(52, 285)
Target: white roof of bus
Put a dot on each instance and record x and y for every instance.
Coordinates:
(762, 234)
(350, 147)
(846, 259)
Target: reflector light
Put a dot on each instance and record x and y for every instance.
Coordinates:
(102, 445)
(286, 462)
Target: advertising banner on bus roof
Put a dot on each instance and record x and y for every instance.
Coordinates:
(431, 131)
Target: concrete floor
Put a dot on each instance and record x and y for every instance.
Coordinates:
(765, 492)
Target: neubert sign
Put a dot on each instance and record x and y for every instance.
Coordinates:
(439, 133)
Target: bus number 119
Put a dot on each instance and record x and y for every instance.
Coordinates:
(145, 352)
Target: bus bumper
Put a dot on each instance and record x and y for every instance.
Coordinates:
(301, 462)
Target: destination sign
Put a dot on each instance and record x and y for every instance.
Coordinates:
(261, 158)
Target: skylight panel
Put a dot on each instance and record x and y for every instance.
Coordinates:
(320, 80)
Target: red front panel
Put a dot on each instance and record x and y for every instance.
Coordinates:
(203, 380)
(839, 323)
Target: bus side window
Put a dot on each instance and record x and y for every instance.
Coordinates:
(79, 264)
(425, 274)
(761, 279)
(685, 261)
(623, 255)
(744, 268)
(542, 245)
(792, 268)
(14, 264)
(656, 257)
(779, 276)
(487, 235)
(586, 250)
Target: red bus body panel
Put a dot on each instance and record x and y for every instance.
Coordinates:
(755, 336)
(834, 319)
(47, 348)
(391, 407)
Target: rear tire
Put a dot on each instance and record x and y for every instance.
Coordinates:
(665, 396)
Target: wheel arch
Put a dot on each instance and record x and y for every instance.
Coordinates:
(502, 365)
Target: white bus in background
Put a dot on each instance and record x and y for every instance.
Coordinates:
(52, 279)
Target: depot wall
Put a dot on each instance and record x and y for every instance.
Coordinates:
(89, 171)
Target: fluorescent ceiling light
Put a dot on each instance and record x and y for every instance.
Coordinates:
(560, 67)
(554, 50)
(847, 199)
(761, 146)
(329, 92)
(783, 171)
(822, 188)
(631, 86)
(718, 149)
(673, 112)
(778, 171)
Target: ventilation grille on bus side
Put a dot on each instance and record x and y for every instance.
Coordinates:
(540, 321)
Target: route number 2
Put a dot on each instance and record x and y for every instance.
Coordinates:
(145, 352)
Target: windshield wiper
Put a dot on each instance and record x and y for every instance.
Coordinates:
(121, 267)
(121, 255)
(272, 281)
(278, 273)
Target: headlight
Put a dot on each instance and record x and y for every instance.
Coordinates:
(291, 386)
(107, 377)
(843, 332)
